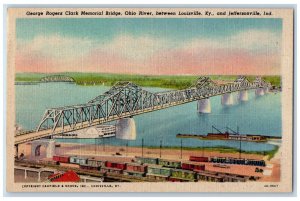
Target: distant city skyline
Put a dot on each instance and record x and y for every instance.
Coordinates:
(167, 46)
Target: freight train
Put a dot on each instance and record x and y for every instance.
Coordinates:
(154, 168)
(228, 160)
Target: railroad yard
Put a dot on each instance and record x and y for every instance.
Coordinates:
(95, 163)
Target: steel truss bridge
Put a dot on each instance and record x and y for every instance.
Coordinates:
(125, 99)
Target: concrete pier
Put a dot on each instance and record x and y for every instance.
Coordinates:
(203, 106)
(260, 92)
(125, 129)
(48, 144)
(243, 96)
(227, 99)
(266, 90)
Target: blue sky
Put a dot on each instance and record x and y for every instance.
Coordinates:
(150, 45)
(174, 28)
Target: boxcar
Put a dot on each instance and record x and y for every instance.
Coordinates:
(255, 162)
(94, 162)
(74, 159)
(61, 159)
(106, 170)
(78, 160)
(199, 158)
(169, 163)
(157, 177)
(89, 167)
(136, 167)
(158, 170)
(133, 173)
(239, 161)
(208, 176)
(116, 165)
(146, 160)
(218, 160)
(233, 178)
(193, 166)
(183, 174)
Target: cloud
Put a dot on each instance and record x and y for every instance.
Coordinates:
(247, 52)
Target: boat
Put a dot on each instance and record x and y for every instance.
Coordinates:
(233, 135)
(100, 131)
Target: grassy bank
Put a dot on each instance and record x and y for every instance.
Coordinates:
(224, 149)
(173, 82)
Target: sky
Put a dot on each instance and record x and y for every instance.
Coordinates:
(150, 46)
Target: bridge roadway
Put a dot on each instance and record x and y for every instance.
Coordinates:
(90, 120)
(27, 137)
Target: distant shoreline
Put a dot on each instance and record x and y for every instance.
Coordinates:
(164, 81)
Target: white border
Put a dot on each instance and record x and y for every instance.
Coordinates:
(207, 3)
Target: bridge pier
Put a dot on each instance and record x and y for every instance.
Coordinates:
(48, 144)
(227, 99)
(266, 90)
(260, 92)
(243, 95)
(125, 129)
(203, 106)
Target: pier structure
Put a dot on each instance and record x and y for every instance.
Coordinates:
(227, 99)
(36, 145)
(260, 92)
(203, 106)
(126, 129)
(243, 96)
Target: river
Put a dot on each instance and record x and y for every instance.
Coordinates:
(259, 115)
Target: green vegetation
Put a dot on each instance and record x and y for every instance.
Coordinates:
(224, 149)
(272, 153)
(173, 82)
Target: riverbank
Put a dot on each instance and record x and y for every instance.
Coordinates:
(166, 81)
(166, 152)
(128, 154)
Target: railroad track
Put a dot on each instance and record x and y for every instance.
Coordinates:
(107, 177)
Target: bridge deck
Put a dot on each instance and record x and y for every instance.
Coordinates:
(127, 100)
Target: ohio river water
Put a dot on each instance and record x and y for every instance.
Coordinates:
(259, 115)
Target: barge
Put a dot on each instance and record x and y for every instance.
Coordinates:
(229, 136)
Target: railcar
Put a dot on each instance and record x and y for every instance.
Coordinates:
(199, 159)
(89, 167)
(61, 159)
(183, 174)
(169, 163)
(147, 160)
(192, 166)
(115, 165)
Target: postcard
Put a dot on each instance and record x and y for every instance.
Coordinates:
(149, 99)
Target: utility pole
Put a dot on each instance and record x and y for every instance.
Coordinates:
(103, 144)
(240, 155)
(142, 147)
(95, 146)
(160, 148)
(126, 148)
(202, 148)
(181, 149)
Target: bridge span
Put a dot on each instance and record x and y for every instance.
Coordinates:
(125, 99)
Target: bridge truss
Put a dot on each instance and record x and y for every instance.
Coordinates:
(125, 99)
